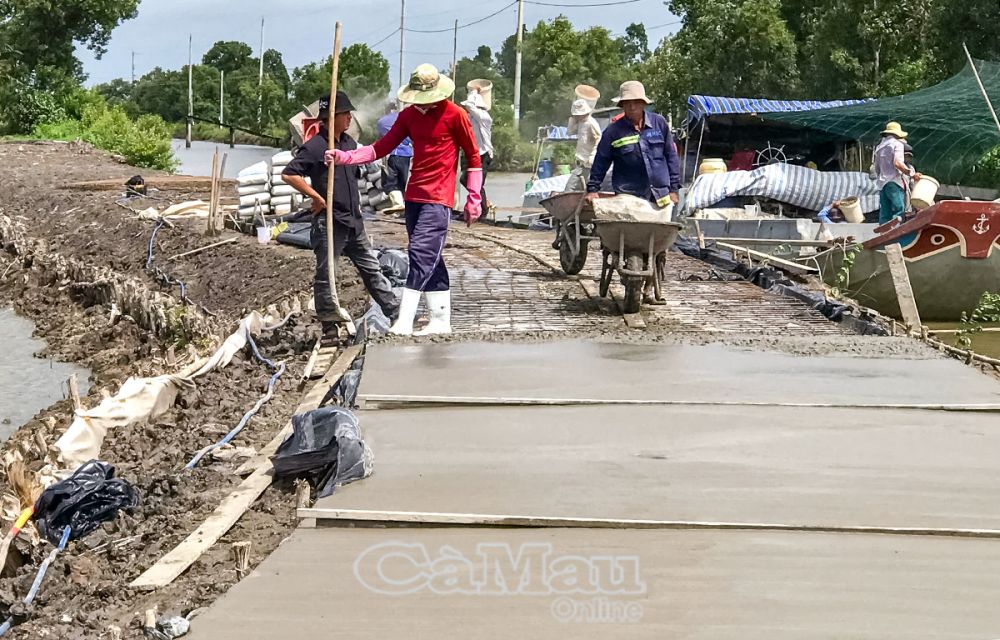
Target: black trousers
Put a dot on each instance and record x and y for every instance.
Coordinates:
(353, 243)
(397, 173)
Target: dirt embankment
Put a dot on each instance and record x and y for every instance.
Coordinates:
(67, 235)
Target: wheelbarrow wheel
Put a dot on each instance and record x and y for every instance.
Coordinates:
(571, 264)
(607, 270)
(633, 285)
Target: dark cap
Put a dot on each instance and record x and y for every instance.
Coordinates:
(343, 103)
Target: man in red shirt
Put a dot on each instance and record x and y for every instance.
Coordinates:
(439, 129)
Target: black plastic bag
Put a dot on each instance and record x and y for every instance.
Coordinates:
(325, 447)
(345, 392)
(395, 266)
(83, 501)
(371, 325)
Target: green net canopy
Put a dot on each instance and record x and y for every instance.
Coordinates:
(950, 125)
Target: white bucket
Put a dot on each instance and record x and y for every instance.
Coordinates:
(851, 210)
(924, 191)
(263, 235)
(588, 93)
(485, 89)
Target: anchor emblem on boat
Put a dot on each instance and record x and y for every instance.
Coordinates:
(981, 225)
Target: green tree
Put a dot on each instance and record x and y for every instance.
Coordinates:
(363, 73)
(229, 56)
(274, 68)
(634, 44)
(725, 47)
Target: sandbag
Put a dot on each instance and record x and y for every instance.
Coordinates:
(282, 190)
(84, 501)
(281, 200)
(282, 209)
(262, 198)
(253, 170)
(277, 170)
(282, 158)
(254, 179)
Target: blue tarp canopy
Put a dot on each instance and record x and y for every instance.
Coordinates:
(704, 106)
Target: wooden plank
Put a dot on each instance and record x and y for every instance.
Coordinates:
(486, 520)
(385, 402)
(205, 248)
(794, 267)
(632, 320)
(232, 508)
(901, 282)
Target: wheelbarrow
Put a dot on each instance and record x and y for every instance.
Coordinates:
(632, 249)
(575, 229)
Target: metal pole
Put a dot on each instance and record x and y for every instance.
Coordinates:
(517, 65)
(133, 68)
(331, 145)
(979, 81)
(402, 38)
(190, 122)
(222, 97)
(454, 57)
(260, 79)
(697, 155)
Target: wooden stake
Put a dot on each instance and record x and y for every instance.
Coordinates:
(241, 554)
(205, 248)
(901, 283)
(211, 196)
(216, 213)
(74, 393)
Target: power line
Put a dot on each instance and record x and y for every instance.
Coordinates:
(372, 46)
(474, 22)
(574, 6)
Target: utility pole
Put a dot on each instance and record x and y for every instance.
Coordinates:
(517, 65)
(222, 97)
(454, 57)
(402, 38)
(260, 79)
(133, 68)
(187, 142)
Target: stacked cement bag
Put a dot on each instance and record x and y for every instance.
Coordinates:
(284, 197)
(254, 189)
(370, 186)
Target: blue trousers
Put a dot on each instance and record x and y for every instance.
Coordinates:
(892, 202)
(427, 227)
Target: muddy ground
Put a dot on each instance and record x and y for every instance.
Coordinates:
(85, 592)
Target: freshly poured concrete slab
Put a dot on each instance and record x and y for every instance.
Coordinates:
(607, 371)
(821, 467)
(375, 583)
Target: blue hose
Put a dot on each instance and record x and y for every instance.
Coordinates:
(162, 276)
(279, 370)
(5, 627)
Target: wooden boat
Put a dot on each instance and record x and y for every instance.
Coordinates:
(951, 253)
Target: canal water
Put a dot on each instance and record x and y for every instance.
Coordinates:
(986, 343)
(28, 384)
(197, 161)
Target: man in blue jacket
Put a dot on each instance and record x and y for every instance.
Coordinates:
(641, 148)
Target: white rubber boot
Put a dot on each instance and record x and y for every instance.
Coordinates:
(439, 308)
(396, 198)
(407, 311)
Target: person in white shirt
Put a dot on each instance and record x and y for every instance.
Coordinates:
(890, 168)
(482, 130)
(588, 134)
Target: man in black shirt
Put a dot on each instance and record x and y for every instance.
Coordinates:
(349, 237)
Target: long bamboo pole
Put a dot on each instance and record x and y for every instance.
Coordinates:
(331, 145)
(979, 81)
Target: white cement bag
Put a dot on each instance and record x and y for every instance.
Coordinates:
(252, 189)
(282, 200)
(282, 158)
(262, 198)
(277, 170)
(282, 190)
(282, 209)
(253, 170)
(254, 179)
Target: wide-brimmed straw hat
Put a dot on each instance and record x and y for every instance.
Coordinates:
(427, 86)
(632, 90)
(581, 108)
(895, 129)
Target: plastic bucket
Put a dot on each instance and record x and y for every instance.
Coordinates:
(588, 93)
(712, 165)
(545, 169)
(263, 235)
(851, 210)
(924, 191)
(485, 89)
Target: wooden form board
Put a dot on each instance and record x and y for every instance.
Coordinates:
(901, 282)
(176, 562)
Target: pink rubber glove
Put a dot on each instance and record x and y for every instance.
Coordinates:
(474, 203)
(361, 155)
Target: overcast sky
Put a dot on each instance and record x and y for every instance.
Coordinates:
(303, 32)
